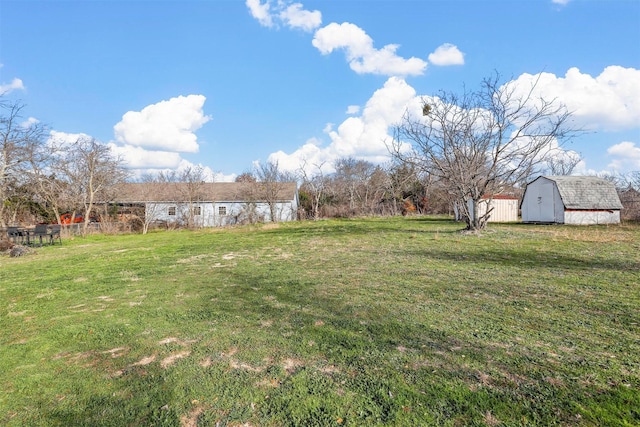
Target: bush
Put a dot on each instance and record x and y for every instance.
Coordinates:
(5, 245)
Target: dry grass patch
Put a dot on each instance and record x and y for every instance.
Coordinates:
(170, 360)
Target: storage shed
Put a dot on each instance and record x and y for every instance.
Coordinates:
(581, 200)
(504, 208)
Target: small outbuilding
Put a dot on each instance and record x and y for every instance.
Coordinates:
(501, 207)
(580, 200)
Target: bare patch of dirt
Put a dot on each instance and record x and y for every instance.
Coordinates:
(116, 352)
(230, 352)
(271, 226)
(554, 381)
(206, 362)
(291, 365)
(220, 265)
(490, 419)
(331, 369)
(178, 341)
(16, 313)
(61, 355)
(269, 382)
(245, 366)
(145, 361)
(168, 361)
(193, 259)
(191, 419)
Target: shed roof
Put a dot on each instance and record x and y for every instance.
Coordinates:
(586, 192)
(205, 192)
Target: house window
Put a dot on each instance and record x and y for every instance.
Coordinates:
(222, 210)
(172, 210)
(197, 210)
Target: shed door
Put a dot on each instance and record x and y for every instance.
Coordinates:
(546, 202)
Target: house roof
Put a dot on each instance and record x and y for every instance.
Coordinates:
(586, 192)
(206, 192)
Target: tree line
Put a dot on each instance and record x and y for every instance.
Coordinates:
(41, 178)
(446, 149)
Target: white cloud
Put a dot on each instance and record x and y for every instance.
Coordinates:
(29, 122)
(561, 2)
(290, 14)
(151, 140)
(626, 156)
(361, 55)
(140, 158)
(353, 109)
(296, 17)
(16, 84)
(363, 137)
(57, 137)
(310, 156)
(260, 12)
(447, 54)
(610, 101)
(221, 177)
(167, 125)
(363, 58)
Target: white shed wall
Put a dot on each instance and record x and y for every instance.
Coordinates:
(591, 217)
(542, 202)
(504, 210)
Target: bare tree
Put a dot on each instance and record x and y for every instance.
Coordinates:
(315, 185)
(358, 186)
(246, 177)
(563, 163)
(19, 139)
(191, 186)
(91, 172)
(480, 142)
(267, 187)
(628, 187)
(148, 211)
(46, 181)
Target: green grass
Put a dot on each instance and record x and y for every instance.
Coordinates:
(402, 321)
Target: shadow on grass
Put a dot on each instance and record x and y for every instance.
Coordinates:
(356, 226)
(523, 258)
(141, 398)
(387, 364)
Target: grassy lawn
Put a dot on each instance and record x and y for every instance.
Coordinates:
(402, 321)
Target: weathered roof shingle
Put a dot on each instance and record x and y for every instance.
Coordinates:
(205, 192)
(586, 192)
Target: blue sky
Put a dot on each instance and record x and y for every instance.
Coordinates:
(227, 83)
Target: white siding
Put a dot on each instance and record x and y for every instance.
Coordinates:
(591, 217)
(542, 202)
(504, 210)
(236, 212)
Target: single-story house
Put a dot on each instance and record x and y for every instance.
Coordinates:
(504, 207)
(581, 200)
(207, 204)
